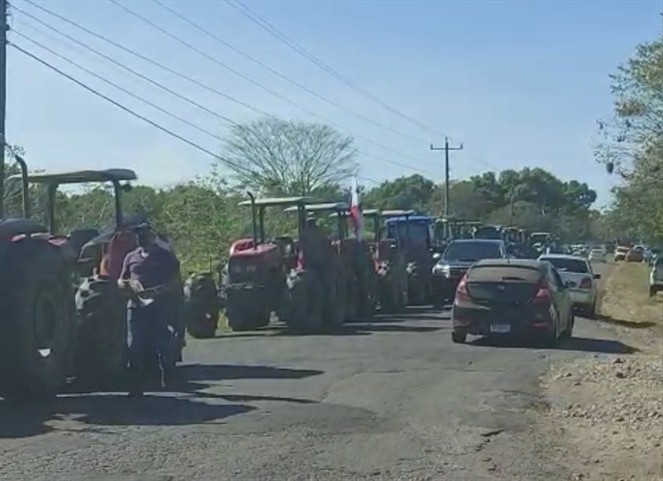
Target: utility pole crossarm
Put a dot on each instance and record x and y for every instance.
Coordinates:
(447, 148)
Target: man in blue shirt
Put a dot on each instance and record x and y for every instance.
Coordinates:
(150, 276)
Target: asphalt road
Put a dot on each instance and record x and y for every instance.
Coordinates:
(390, 400)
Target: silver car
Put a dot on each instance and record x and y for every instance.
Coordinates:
(580, 280)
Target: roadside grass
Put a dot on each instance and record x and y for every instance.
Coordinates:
(625, 298)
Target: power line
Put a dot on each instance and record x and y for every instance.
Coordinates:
(119, 87)
(123, 107)
(178, 39)
(128, 69)
(279, 74)
(271, 29)
(174, 72)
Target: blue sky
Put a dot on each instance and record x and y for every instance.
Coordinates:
(520, 83)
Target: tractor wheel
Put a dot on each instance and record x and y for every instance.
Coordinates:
(101, 352)
(201, 306)
(305, 312)
(366, 299)
(335, 312)
(246, 307)
(38, 323)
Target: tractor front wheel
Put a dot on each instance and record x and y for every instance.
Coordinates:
(37, 326)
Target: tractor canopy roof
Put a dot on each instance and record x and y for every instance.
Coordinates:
(322, 207)
(397, 213)
(80, 176)
(424, 219)
(371, 212)
(276, 201)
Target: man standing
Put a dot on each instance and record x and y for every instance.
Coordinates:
(150, 276)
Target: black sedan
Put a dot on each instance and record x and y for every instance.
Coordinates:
(516, 297)
(454, 262)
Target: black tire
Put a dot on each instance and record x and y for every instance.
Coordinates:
(590, 311)
(246, 307)
(652, 291)
(305, 308)
(201, 306)
(568, 332)
(101, 344)
(335, 310)
(36, 290)
(458, 337)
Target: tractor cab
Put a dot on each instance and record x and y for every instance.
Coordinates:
(491, 232)
(416, 233)
(91, 250)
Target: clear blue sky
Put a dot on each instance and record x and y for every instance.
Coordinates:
(520, 83)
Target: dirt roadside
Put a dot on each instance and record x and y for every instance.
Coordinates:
(611, 407)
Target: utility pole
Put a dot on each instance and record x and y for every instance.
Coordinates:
(446, 148)
(3, 96)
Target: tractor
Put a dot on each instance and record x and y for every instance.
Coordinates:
(416, 234)
(356, 272)
(278, 275)
(95, 260)
(390, 265)
(36, 300)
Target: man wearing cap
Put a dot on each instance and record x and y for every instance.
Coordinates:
(150, 276)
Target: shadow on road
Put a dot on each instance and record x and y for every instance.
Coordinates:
(165, 409)
(583, 344)
(219, 372)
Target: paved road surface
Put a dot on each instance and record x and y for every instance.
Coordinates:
(390, 400)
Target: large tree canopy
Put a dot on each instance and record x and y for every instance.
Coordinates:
(285, 157)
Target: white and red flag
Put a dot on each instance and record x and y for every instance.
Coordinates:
(356, 215)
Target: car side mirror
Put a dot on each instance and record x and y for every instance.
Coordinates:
(597, 276)
(437, 256)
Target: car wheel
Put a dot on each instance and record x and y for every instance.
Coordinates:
(458, 337)
(568, 332)
(652, 291)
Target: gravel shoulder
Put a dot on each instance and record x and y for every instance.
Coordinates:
(610, 407)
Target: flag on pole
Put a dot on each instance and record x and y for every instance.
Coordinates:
(356, 215)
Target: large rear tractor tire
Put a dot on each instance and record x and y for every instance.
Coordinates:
(38, 323)
(305, 293)
(101, 348)
(247, 309)
(201, 306)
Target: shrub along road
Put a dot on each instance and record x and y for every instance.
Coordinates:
(389, 400)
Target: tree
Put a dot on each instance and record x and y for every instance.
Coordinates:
(632, 143)
(275, 156)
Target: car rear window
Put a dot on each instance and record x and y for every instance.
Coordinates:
(504, 272)
(567, 265)
(472, 251)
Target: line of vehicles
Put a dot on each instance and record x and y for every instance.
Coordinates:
(63, 317)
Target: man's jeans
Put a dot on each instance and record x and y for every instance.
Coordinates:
(151, 344)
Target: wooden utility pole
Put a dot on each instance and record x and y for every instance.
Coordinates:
(446, 148)
(3, 97)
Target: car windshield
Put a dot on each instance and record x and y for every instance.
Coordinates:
(472, 251)
(567, 265)
(416, 232)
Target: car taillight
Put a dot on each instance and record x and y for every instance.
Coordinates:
(543, 295)
(586, 283)
(461, 290)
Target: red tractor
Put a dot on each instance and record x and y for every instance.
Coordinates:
(61, 317)
(281, 275)
(390, 266)
(356, 273)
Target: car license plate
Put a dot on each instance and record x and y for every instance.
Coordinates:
(500, 328)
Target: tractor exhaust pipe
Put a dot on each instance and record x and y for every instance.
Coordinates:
(25, 194)
(254, 222)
